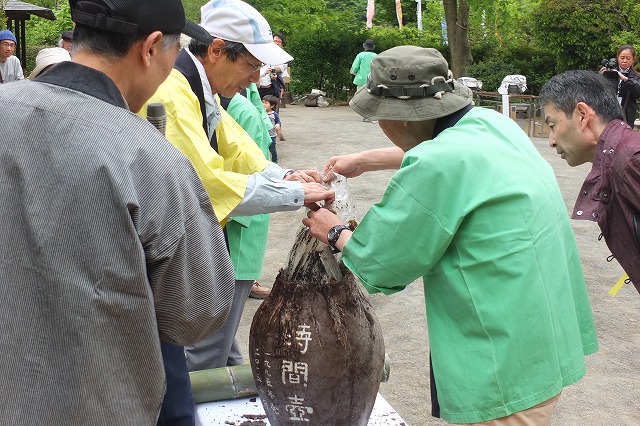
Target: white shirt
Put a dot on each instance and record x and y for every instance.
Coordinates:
(265, 75)
(11, 70)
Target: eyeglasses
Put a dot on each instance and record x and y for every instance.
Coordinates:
(8, 44)
(256, 68)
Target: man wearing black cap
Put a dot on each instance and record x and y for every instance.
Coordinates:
(477, 213)
(66, 41)
(362, 63)
(109, 243)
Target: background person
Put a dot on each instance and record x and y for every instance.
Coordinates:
(47, 58)
(240, 181)
(272, 76)
(271, 84)
(66, 41)
(586, 125)
(10, 68)
(282, 74)
(278, 39)
(91, 291)
(627, 81)
(246, 235)
(361, 65)
(269, 102)
(476, 211)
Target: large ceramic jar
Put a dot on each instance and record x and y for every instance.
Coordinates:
(316, 349)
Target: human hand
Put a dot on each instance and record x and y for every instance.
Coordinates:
(320, 222)
(264, 71)
(315, 192)
(304, 176)
(348, 165)
(622, 76)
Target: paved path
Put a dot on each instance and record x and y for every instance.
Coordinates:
(608, 395)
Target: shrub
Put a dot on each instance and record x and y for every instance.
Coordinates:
(535, 64)
(323, 55)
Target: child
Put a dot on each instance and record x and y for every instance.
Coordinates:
(270, 102)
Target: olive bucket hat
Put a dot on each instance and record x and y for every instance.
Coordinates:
(410, 83)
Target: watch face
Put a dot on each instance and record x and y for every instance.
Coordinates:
(334, 234)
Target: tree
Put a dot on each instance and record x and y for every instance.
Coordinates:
(457, 17)
(581, 34)
(44, 33)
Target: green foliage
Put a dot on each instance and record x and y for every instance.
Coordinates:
(192, 9)
(535, 38)
(386, 13)
(323, 58)
(290, 18)
(534, 63)
(32, 52)
(45, 33)
(625, 37)
(497, 23)
(386, 37)
(324, 53)
(582, 34)
(49, 4)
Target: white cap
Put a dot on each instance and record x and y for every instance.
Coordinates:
(236, 21)
(48, 56)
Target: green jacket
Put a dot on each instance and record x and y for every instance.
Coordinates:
(477, 213)
(361, 67)
(248, 234)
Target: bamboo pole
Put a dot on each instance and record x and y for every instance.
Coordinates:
(217, 384)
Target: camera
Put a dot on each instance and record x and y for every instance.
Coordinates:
(609, 64)
(611, 68)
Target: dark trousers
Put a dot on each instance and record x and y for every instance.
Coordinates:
(178, 408)
(272, 150)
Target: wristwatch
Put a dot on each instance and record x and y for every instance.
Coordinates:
(333, 235)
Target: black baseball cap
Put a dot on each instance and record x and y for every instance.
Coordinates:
(136, 17)
(67, 35)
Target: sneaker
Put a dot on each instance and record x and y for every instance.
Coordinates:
(259, 292)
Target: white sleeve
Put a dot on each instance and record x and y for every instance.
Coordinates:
(266, 195)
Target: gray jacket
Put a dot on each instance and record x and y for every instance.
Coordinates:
(108, 244)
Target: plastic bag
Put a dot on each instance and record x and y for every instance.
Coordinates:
(311, 260)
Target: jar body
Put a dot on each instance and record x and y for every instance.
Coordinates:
(317, 353)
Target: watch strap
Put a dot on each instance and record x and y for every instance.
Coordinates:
(334, 235)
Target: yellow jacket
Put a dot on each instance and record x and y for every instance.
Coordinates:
(223, 174)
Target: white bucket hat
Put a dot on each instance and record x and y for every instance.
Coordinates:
(236, 21)
(48, 56)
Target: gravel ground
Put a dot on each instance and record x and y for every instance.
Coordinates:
(607, 395)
